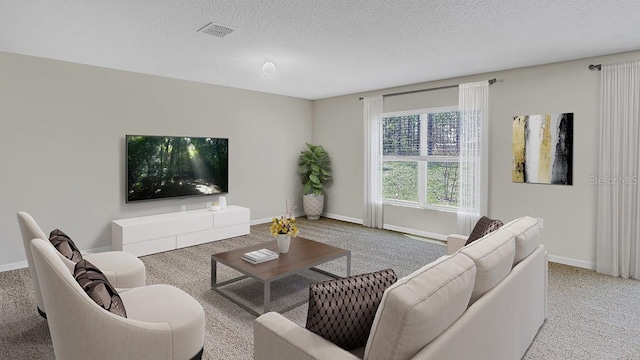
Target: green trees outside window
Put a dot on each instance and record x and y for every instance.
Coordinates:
(420, 157)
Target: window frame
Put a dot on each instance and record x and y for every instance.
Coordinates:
(423, 159)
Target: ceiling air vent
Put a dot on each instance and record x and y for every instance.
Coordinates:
(216, 30)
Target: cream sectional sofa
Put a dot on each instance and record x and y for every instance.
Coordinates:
(486, 300)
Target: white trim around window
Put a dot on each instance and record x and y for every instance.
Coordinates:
(422, 160)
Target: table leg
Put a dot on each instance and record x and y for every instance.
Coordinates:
(349, 264)
(267, 297)
(214, 273)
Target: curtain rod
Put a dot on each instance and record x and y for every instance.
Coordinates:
(491, 81)
(595, 67)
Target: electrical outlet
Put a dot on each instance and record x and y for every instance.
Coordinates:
(540, 223)
(183, 208)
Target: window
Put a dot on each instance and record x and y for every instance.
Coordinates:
(420, 150)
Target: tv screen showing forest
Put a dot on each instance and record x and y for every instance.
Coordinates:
(160, 167)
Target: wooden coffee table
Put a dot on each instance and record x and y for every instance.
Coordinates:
(303, 254)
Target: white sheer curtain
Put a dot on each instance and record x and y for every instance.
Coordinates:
(372, 155)
(618, 220)
(473, 103)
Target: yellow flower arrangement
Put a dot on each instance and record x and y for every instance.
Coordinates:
(286, 224)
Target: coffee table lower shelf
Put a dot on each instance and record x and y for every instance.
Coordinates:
(303, 255)
(266, 304)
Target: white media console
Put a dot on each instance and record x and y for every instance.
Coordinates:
(157, 233)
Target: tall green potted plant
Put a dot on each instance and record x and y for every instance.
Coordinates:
(314, 169)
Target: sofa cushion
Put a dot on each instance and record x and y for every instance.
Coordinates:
(342, 310)
(493, 255)
(420, 306)
(527, 236)
(483, 227)
(96, 285)
(63, 243)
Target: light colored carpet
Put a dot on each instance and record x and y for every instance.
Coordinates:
(591, 316)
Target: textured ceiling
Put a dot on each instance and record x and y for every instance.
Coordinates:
(321, 48)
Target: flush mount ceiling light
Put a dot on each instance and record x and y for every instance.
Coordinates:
(268, 68)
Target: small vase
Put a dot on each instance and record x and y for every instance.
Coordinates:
(284, 241)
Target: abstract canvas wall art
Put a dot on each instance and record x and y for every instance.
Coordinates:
(543, 149)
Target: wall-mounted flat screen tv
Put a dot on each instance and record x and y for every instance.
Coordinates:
(162, 167)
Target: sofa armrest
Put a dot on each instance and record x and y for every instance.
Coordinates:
(455, 242)
(278, 338)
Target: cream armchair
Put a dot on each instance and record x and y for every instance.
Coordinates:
(123, 269)
(163, 322)
(455, 242)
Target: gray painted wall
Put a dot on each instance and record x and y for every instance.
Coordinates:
(569, 212)
(62, 149)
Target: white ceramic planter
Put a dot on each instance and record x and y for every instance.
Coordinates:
(313, 205)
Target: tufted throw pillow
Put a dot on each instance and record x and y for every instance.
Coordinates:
(483, 227)
(342, 310)
(96, 285)
(63, 243)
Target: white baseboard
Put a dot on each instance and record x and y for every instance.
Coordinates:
(426, 234)
(302, 214)
(572, 262)
(343, 218)
(14, 266)
(261, 221)
(269, 219)
(404, 230)
(25, 264)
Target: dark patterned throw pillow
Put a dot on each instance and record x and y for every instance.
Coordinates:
(97, 286)
(342, 310)
(483, 227)
(63, 243)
